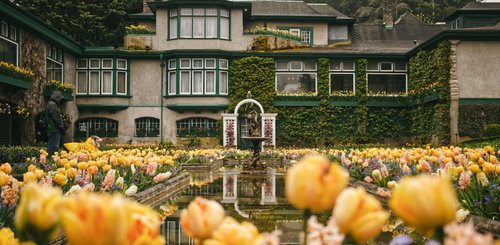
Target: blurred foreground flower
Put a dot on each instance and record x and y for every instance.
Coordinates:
(424, 202)
(359, 214)
(201, 218)
(314, 183)
(37, 215)
(232, 232)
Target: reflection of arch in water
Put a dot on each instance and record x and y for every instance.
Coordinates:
(240, 212)
(268, 193)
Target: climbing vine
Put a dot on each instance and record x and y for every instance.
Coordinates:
(361, 95)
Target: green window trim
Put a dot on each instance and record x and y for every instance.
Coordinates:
(301, 30)
(101, 69)
(6, 33)
(100, 126)
(304, 69)
(196, 126)
(147, 127)
(177, 17)
(54, 56)
(174, 69)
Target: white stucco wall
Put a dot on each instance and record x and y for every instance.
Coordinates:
(237, 41)
(478, 69)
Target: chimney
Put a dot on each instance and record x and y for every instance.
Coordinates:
(388, 14)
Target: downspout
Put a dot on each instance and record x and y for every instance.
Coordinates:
(162, 66)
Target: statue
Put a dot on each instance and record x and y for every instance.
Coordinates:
(253, 121)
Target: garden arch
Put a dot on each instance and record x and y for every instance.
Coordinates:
(230, 126)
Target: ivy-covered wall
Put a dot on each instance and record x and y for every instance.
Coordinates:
(430, 76)
(326, 125)
(473, 119)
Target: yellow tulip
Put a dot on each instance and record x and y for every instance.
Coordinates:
(4, 178)
(38, 211)
(39, 173)
(314, 183)
(92, 170)
(359, 214)
(143, 225)
(232, 232)
(94, 219)
(7, 237)
(60, 179)
(29, 177)
(201, 218)
(71, 172)
(474, 168)
(6, 168)
(424, 202)
(82, 165)
(106, 168)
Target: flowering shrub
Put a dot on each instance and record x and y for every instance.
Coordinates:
(15, 110)
(275, 32)
(342, 93)
(13, 71)
(139, 29)
(379, 93)
(55, 85)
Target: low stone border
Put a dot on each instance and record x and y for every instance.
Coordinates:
(481, 224)
(159, 192)
(280, 162)
(203, 166)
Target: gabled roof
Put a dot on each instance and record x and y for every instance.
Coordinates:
(476, 8)
(276, 9)
(407, 32)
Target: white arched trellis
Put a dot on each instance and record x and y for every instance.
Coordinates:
(230, 125)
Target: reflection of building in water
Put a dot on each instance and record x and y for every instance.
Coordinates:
(173, 233)
(230, 187)
(269, 189)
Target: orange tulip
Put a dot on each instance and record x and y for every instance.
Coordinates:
(201, 218)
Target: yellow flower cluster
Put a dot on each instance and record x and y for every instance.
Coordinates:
(55, 85)
(342, 93)
(138, 29)
(87, 218)
(9, 66)
(298, 93)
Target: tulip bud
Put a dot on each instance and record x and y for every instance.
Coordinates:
(377, 176)
(201, 218)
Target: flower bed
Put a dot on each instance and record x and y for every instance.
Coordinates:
(15, 72)
(274, 32)
(15, 110)
(139, 29)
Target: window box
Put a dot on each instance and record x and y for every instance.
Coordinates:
(15, 82)
(66, 95)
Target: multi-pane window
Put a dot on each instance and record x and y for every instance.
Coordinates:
(96, 76)
(102, 127)
(387, 77)
(342, 77)
(305, 33)
(147, 127)
(197, 76)
(296, 77)
(55, 64)
(9, 43)
(196, 126)
(199, 23)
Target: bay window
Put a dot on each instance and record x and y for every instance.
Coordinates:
(98, 76)
(296, 77)
(55, 64)
(9, 43)
(197, 76)
(199, 23)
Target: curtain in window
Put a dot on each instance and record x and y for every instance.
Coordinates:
(82, 82)
(210, 82)
(224, 28)
(223, 82)
(173, 27)
(186, 27)
(185, 88)
(172, 83)
(198, 27)
(211, 26)
(197, 82)
(122, 81)
(94, 82)
(107, 82)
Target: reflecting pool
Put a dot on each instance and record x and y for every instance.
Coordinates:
(257, 198)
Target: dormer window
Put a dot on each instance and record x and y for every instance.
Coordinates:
(202, 23)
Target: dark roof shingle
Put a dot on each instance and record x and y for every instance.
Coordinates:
(293, 8)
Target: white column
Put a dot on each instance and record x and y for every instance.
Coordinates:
(230, 123)
(269, 118)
